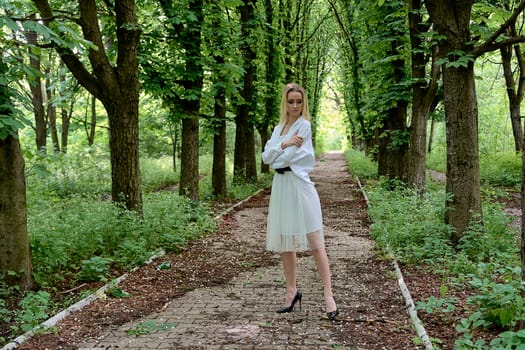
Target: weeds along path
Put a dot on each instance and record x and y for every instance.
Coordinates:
(222, 291)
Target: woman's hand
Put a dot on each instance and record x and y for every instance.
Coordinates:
(295, 140)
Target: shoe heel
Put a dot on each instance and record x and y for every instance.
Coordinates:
(298, 296)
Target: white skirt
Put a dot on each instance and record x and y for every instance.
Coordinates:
(295, 221)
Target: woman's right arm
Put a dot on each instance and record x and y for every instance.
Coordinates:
(272, 149)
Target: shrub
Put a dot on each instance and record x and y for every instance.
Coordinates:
(34, 309)
(95, 269)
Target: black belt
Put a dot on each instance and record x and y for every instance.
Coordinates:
(283, 170)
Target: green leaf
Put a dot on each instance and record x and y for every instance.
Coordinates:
(6, 21)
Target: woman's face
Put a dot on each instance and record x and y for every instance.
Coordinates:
(295, 104)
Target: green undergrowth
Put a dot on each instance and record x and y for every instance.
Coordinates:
(486, 260)
(77, 235)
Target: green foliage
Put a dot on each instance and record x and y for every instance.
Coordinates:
(436, 160)
(486, 258)
(85, 173)
(498, 304)
(115, 291)
(157, 173)
(456, 59)
(411, 227)
(503, 169)
(104, 231)
(34, 308)
(434, 304)
(509, 340)
(5, 313)
(95, 269)
(496, 168)
(498, 231)
(360, 165)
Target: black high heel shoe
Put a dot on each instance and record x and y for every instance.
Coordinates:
(332, 314)
(298, 296)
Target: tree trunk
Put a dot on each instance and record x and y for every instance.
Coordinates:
(174, 135)
(393, 148)
(116, 87)
(522, 250)
(431, 135)
(239, 156)
(190, 37)
(463, 176)
(251, 160)
(52, 113)
(15, 255)
(285, 27)
(422, 97)
(452, 20)
(189, 162)
(93, 122)
(244, 157)
(124, 152)
(37, 94)
(273, 70)
(392, 160)
(66, 114)
(66, 117)
(514, 93)
(219, 145)
(263, 133)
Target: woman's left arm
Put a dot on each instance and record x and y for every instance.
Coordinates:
(293, 155)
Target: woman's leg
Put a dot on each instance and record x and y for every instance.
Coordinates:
(290, 273)
(323, 266)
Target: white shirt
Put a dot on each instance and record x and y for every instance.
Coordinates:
(300, 159)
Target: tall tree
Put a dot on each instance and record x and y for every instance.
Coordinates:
(221, 79)
(423, 93)
(115, 84)
(273, 71)
(512, 59)
(15, 255)
(188, 31)
(390, 54)
(245, 166)
(514, 82)
(452, 20)
(515, 89)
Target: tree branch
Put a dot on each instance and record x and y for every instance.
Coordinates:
(76, 67)
(489, 44)
(487, 47)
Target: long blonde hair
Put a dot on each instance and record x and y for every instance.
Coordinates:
(284, 102)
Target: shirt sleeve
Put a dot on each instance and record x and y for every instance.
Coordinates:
(272, 149)
(296, 155)
(301, 159)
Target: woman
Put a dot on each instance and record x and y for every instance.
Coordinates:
(295, 222)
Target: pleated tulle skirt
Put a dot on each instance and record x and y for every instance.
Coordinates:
(295, 221)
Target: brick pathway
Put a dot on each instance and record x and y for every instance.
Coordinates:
(241, 314)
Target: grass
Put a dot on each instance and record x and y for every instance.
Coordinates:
(360, 165)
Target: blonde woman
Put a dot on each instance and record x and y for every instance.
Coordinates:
(295, 222)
